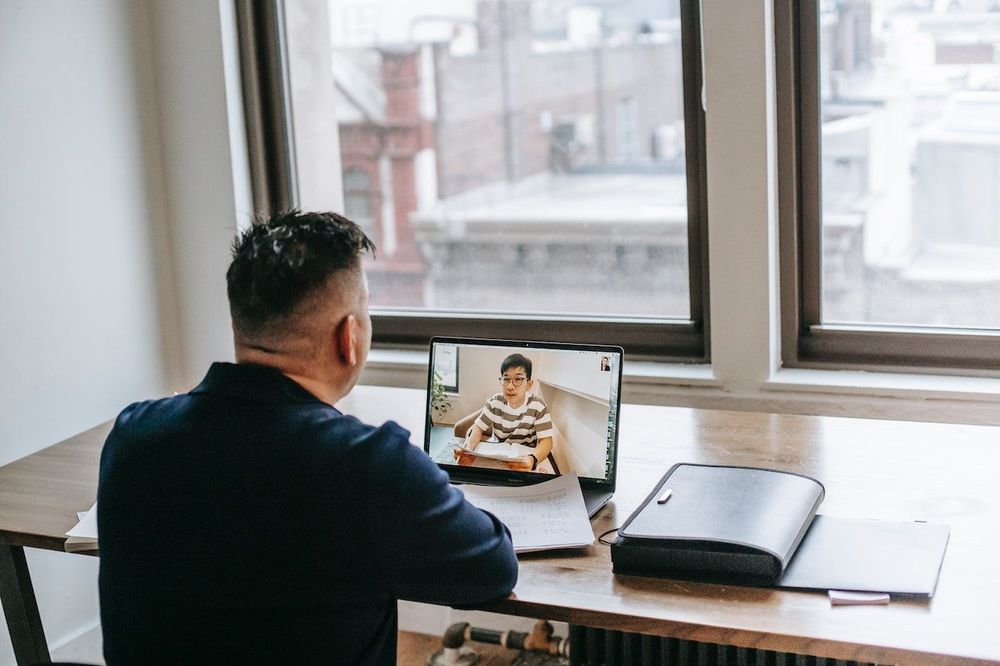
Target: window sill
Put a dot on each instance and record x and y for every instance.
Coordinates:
(408, 369)
(911, 397)
(885, 395)
(885, 384)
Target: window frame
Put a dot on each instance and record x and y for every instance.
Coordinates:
(267, 104)
(806, 342)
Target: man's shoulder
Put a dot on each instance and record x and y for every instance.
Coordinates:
(316, 424)
(338, 427)
(149, 414)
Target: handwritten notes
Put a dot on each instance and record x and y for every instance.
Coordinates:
(543, 516)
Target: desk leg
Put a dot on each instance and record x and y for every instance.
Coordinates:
(20, 608)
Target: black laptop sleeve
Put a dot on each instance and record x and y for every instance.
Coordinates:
(720, 523)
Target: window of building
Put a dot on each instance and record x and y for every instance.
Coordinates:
(627, 126)
(889, 113)
(539, 163)
(359, 201)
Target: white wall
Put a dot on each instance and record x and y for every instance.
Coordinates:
(575, 371)
(192, 50)
(118, 199)
(582, 431)
(83, 223)
(85, 290)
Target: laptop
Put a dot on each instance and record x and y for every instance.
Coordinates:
(572, 399)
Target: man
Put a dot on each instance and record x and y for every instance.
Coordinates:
(515, 416)
(249, 521)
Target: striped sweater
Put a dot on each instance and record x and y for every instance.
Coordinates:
(516, 425)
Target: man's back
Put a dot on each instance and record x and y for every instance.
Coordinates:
(249, 522)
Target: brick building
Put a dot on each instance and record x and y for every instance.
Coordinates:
(427, 133)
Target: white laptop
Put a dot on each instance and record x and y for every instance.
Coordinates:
(579, 386)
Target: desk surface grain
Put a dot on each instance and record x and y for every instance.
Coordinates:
(871, 469)
(41, 494)
(888, 470)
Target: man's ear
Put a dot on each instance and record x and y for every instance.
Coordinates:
(345, 338)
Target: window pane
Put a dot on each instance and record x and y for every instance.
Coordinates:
(446, 366)
(358, 197)
(911, 162)
(521, 155)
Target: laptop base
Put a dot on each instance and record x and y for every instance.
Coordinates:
(595, 500)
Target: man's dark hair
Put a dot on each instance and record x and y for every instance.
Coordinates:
(281, 260)
(516, 361)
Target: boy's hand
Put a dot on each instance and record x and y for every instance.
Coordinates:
(522, 464)
(463, 456)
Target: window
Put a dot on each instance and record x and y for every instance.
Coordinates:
(628, 121)
(890, 207)
(359, 201)
(528, 168)
(446, 367)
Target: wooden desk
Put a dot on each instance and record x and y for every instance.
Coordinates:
(875, 469)
(40, 495)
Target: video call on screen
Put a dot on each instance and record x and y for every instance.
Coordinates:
(577, 389)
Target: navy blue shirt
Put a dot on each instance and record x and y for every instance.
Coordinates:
(249, 522)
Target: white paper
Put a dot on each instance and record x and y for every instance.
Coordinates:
(87, 527)
(542, 516)
(845, 598)
(500, 451)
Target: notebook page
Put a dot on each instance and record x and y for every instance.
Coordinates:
(543, 516)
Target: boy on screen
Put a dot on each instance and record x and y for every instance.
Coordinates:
(515, 416)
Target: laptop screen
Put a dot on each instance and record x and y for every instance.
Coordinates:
(501, 411)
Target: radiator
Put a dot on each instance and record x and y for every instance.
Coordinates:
(603, 647)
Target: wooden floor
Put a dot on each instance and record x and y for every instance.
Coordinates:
(414, 649)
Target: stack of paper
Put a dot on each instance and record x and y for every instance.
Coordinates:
(500, 451)
(84, 535)
(542, 516)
